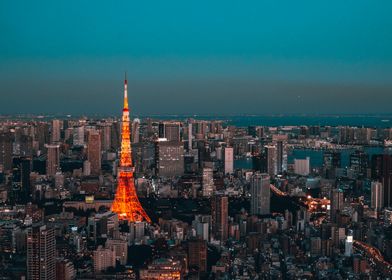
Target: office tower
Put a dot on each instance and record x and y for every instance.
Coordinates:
(53, 159)
(208, 182)
(270, 152)
(120, 248)
(126, 203)
(56, 131)
(42, 135)
(115, 135)
(94, 151)
(169, 158)
(252, 131)
(280, 157)
(359, 163)
(103, 258)
(78, 136)
(41, 253)
(65, 270)
(337, 203)
(348, 244)
(202, 225)
(331, 161)
(228, 160)
(197, 254)
(219, 213)
(260, 194)
(6, 140)
(377, 196)
(25, 165)
(386, 180)
(170, 131)
(190, 136)
(106, 139)
(136, 131)
(302, 166)
(86, 168)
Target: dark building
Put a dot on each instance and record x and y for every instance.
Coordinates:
(6, 140)
(41, 253)
(381, 170)
(220, 218)
(359, 163)
(197, 255)
(331, 161)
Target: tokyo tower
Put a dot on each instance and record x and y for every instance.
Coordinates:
(126, 203)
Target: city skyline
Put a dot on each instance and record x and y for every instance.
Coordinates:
(186, 58)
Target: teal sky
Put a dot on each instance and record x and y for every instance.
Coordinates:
(223, 57)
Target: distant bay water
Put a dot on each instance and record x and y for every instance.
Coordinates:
(378, 121)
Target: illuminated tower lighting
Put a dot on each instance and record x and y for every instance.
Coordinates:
(126, 203)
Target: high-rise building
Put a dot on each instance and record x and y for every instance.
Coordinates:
(6, 151)
(65, 270)
(280, 157)
(219, 213)
(53, 159)
(197, 255)
(94, 151)
(260, 194)
(169, 158)
(41, 253)
(190, 136)
(136, 131)
(78, 136)
(302, 166)
(348, 244)
(126, 203)
(270, 152)
(377, 196)
(56, 131)
(331, 161)
(386, 180)
(103, 258)
(359, 163)
(208, 182)
(170, 131)
(228, 160)
(337, 203)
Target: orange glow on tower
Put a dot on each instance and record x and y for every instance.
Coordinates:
(126, 203)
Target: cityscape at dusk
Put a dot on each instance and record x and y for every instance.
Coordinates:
(195, 140)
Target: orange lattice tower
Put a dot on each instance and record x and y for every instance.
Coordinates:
(126, 203)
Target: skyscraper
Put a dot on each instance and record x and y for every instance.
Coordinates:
(280, 166)
(228, 160)
(170, 131)
(126, 203)
(136, 131)
(6, 150)
(220, 213)
(169, 158)
(78, 136)
(337, 203)
(94, 151)
(53, 159)
(270, 152)
(41, 253)
(377, 195)
(197, 254)
(260, 194)
(207, 182)
(56, 131)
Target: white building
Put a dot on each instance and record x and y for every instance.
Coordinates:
(377, 196)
